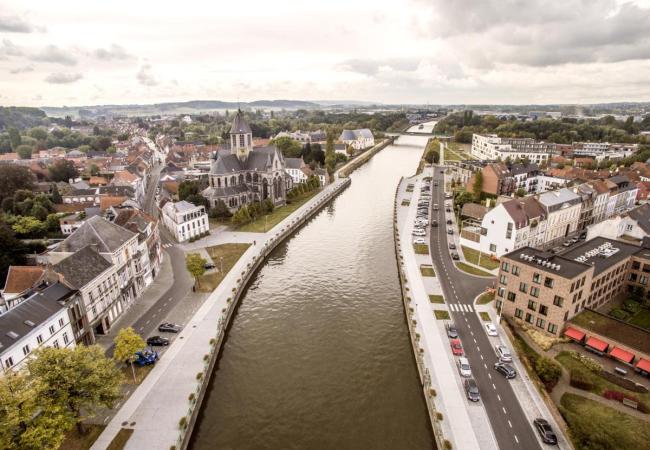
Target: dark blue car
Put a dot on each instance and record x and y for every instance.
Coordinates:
(146, 357)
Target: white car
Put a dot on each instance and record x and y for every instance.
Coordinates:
(421, 222)
(503, 353)
(464, 368)
(419, 232)
(419, 240)
(491, 329)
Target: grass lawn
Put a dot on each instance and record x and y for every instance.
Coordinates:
(440, 314)
(471, 255)
(76, 441)
(472, 270)
(427, 271)
(140, 373)
(421, 249)
(484, 316)
(436, 299)
(593, 425)
(406, 202)
(485, 298)
(230, 254)
(278, 214)
(600, 384)
(641, 319)
(120, 439)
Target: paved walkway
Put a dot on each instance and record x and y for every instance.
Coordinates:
(162, 399)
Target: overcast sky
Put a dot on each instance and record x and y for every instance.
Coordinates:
(394, 51)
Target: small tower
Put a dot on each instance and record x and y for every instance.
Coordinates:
(241, 137)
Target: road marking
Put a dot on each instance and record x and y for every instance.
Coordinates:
(503, 408)
(106, 419)
(481, 356)
(516, 439)
(490, 376)
(498, 397)
(510, 423)
(472, 333)
(475, 341)
(485, 365)
(147, 322)
(469, 326)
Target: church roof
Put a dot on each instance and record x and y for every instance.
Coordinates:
(211, 192)
(259, 159)
(239, 124)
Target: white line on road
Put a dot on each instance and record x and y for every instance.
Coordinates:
(147, 322)
(498, 397)
(106, 419)
(516, 439)
(504, 409)
(472, 333)
(475, 341)
(494, 387)
(490, 376)
(481, 356)
(510, 423)
(485, 365)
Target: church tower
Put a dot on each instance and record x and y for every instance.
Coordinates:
(241, 137)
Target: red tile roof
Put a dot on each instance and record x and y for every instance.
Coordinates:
(21, 278)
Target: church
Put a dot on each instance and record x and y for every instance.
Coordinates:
(245, 174)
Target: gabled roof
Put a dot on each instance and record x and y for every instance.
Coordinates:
(642, 216)
(21, 278)
(239, 124)
(522, 211)
(99, 232)
(259, 159)
(294, 163)
(82, 267)
(134, 220)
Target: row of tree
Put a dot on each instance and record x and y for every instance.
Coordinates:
(251, 212)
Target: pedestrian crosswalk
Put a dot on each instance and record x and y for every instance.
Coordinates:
(461, 307)
(167, 245)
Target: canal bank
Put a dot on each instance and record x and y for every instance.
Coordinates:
(163, 409)
(318, 355)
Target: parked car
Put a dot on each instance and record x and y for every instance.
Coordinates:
(434, 223)
(545, 431)
(146, 357)
(450, 231)
(471, 390)
(419, 240)
(566, 243)
(491, 329)
(456, 347)
(419, 232)
(208, 266)
(435, 183)
(449, 222)
(157, 341)
(464, 368)
(435, 207)
(448, 210)
(506, 370)
(452, 246)
(503, 353)
(167, 327)
(455, 256)
(452, 332)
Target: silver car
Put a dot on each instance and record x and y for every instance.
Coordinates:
(503, 353)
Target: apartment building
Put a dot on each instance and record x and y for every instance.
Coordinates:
(546, 290)
(493, 147)
(185, 220)
(41, 320)
(502, 179)
(562, 208)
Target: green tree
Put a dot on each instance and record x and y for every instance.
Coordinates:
(12, 250)
(24, 151)
(94, 170)
(290, 148)
(78, 380)
(38, 133)
(330, 156)
(477, 187)
(28, 420)
(14, 177)
(52, 222)
(56, 196)
(195, 266)
(27, 226)
(548, 370)
(14, 137)
(187, 188)
(521, 192)
(220, 211)
(127, 342)
(62, 170)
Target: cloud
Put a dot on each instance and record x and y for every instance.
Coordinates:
(54, 54)
(145, 77)
(8, 48)
(372, 67)
(14, 24)
(115, 52)
(23, 69)
(63, 78)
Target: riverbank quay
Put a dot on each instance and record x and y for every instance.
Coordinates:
(363, 158)
(455, 422)
(163, 409)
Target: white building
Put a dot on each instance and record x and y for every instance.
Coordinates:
(358, 139)
(634, 224)
(185, 220)
(604, 150)
(492, 147)
(42, 320)
(300, 136)
(562, 208)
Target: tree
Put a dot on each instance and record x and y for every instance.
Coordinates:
(28, 420)
(548, 370)
(521, 192)
(127, 342)
(14, 177)
(14, 137)
(12, 251)
(56, 196)
(330, 156)
(477, 187)
(94, 170)
(62, 170)
(52, 222)
(187, 188)
(195, 266)
(27, 226)
(24, 151)
(290, 148)
(38, 133)
(78, 380)
(198, 199)
(220, 211)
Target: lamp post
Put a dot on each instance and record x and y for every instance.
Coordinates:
(221, 264)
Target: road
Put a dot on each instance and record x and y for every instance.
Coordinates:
(509, 424)
(154, 176)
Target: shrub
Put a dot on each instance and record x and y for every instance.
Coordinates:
(580, 380)
(549, 371)
(625, 383)
(432, 392)
(631, 306)
(199, 375)
(619, 314)
(192, 397)
(447, 444)
(182, 423)
(588, 362)
(439, 415)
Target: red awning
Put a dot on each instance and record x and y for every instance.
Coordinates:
(597, 344)
(644, 365)
(621, 355)
(574, 334)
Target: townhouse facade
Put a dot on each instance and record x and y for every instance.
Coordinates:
(185, 220)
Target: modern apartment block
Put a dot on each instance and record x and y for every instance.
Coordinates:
(493, 147)
(546, 290)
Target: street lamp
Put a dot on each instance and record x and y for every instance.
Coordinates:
(221, 263)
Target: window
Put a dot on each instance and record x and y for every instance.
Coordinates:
(65, 338)
(532, 305)
(493, 248)
(529, 318)
(643, 280)
(51, 329)
(61, 322)
(543, 310)
(9, 362)
(39, 339)
(55, 344)
(552, 328)
(548, 282)
(537, 278)
(509, 231)
(503, 279)
(515, 270)
(523, 287)
(534, 291)
(505, 266)
(540, 323)
(511, 296)
(501, 291)
(573, 286)
(636, 265)
(518, 313)
(26, 350)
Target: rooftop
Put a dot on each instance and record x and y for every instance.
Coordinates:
(82, 267)
(601, 253)
(104, 235)
(548, 262)
(21, 278)
(622, 332)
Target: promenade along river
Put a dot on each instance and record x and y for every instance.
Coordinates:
(318, 356)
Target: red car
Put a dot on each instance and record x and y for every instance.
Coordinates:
(456, 347)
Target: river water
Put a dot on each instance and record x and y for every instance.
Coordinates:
(318, 355)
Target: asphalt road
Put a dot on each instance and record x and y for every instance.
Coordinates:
(509, 423)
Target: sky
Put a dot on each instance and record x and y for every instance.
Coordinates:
(390, 51)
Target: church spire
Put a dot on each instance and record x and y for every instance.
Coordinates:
(241, 137)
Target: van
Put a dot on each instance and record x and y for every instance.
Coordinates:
(435, 207)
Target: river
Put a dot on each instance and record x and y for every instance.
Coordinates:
(318, 355)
